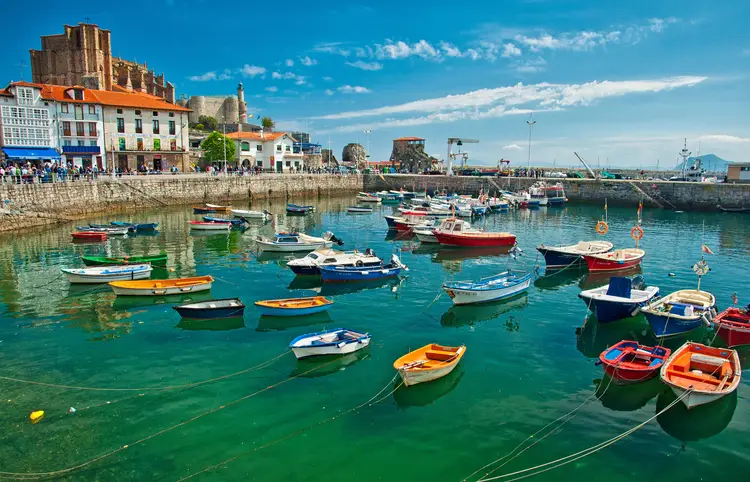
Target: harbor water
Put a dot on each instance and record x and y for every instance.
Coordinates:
(529, 361)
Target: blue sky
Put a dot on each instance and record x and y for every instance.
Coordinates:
(622, 82)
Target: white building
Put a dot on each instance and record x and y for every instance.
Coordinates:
(80, 129)
(267, 151)
(27, 129)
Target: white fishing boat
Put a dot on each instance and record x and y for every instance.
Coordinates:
(209, 226)
(109, 231)
(563, 256)
(426, 232)
(244, 213)
(339, 341)
(105, 274)
(310, 264)
(493, 288)
(621, 298)
(296, 242)
(368, 198)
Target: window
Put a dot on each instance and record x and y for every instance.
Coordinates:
(92, 129)
(156, 126)
(139, 144)
(92, 143)
(278, 147)
(288, 163)
(171, 128)
(287, 148)
(25, 96)
(64, 108)
(66, 128)
(67, 142)
(259, 163)
(157, 144)
(173, 144)
(137, 112)
(245, 146)
(259, 148)
(92, 109)
(121, 143)
(155, 113)
(80, 129)
(119, 111)
(120, 125)
(745, 169)
(77, 94)
(81, 143)
(139, 126)
(171, 114)
(79, 112)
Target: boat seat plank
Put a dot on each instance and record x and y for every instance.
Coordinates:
(440, 355)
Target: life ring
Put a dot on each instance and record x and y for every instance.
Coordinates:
(359, 263)
(636, 233)
(602, 227)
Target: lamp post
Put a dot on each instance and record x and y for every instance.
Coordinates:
(367, 154)
(531, 123)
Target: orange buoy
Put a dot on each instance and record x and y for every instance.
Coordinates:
(602, 227)
(636, 233)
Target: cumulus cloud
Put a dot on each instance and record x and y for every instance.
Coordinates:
(307, 61)
(510, 50)
(203, 77)
(513, 147)
(329, 92)
(252, 71)
(353, 89)
(361, 64)
(289, 63)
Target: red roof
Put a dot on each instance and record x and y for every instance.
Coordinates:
(255, 136)
(409, 139)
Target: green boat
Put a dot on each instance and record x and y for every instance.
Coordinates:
(154, 260)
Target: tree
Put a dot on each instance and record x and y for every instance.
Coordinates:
(208, 122)
(267, 123)
(199, 126)
(213, 147)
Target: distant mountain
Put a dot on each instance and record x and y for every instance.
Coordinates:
(709, 162)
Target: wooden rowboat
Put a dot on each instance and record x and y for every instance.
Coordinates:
(630, 362)
(733, 326)
(293, 306)
(162, 287)
(209, 226)
(88, 236)
(428, 363)
(214, 309)
(705, 372)
(219, 209)
(339, 341)
(105, 274)
(154, 260)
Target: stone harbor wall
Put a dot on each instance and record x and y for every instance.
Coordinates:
(28, 205)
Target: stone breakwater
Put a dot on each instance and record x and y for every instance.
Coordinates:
(29, 205)
(669, 195)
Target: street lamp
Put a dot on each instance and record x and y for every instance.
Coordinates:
(367, 154)
(531, 123)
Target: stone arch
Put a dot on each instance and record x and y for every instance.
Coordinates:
(246, 163)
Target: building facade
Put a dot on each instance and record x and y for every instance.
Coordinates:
(80, 130)
(738, 172)
(268, 151)
(27, 124)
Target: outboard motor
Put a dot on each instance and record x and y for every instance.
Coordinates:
(335, 239)
(638, 283)
(369, 252)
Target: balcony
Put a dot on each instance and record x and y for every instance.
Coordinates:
(83, 150)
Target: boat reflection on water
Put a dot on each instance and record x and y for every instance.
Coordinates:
(426, 393)
(219, 324)
(315, 283)
(626, 397)
(129, 302)
(554, 280)
(596, 280)
(446, 253)
(701, 334)
(279, 323)
(334, 363)
(460, 315)
(281, 259)
(306, 283)
(393, 235)
(595, 337)
(698, 423)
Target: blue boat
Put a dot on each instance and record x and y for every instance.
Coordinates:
(234, 222)
(297, 209)
(341, 274)
(135, 226)
(565, 256)
(293, 306)
(339, 341)
(391, 220)
(223, 308)
(479, 209)
(680, 312)
(621, 298)
(494, 288)
(203, 210)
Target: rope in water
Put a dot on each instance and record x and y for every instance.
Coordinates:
(304, 429)
(143, 389)
(586, 452)
(38, 475)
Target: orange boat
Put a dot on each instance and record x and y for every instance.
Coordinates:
(705, 373)
(162, 287)
(428, 363)
(293, 306)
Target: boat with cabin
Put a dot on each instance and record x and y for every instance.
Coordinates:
(293, 306)
(338, 341)
(494, 288)
(310, 264)
(162, 287)
(105, 274)
(563, 256)
(296, 242)
(630, 362)
(428, 363)
(455, 233)
(621, 298)
(341, 274)
(555, 195)
(616, 260)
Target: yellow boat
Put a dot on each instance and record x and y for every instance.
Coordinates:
(162, 287)
(428, 363)
(219, 209)
(293, 306)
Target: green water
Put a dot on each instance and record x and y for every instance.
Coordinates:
(525, 364)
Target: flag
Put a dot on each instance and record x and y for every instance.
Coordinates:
(640, 208)
(706, 249)
(605, 204)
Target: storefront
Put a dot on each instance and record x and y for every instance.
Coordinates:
(35, 155)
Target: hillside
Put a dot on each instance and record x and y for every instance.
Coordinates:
(709, 162)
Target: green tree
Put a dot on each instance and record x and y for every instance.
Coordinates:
(267, 123)
(199, 126)
(213, 148)
(208, 122)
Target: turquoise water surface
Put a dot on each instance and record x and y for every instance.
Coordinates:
(529, 361)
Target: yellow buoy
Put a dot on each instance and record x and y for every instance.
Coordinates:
(36, 416)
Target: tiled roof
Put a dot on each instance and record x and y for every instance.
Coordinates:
(255, 136)
(409, 139)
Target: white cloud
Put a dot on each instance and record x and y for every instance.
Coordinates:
(329, 92)
(332, 48)
(401, 50)
(510, 50)
(252, 71)
(272, 89)
(450, 50)
(513, 147)
(507, 99)
(289, 63)
(361, 64)
(530, 66)
(353, 89)
(307, 61)
(226, 75)
(203, 77)
(298, 79)
(327, 79)
(723, 139)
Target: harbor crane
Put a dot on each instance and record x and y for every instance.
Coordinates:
(459, 141)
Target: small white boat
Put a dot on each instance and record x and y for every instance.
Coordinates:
(105, 274)
(368, 198)
(339, 341)
(209, 226)
(680, 312)
(426, 232)
(494, 288)
(359, 209)
(310, 264)
(109, 231)
(291, 242)
(621, 298)
(244, 213)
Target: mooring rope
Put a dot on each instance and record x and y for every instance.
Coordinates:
(38, 475)
(302, 430)
(143, 389)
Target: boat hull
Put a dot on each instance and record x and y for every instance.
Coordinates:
(608, 311)
(598, 264)
(555, 259)
(81, 278)
(292, 247)
(277, 311)
(426, 236)
(344, 276)
(163, 291)
(158, 260)
(664, 325)
(474, 241)
(310, 351)
(734, 336)
(208, 313)
(415, 377)
(627, 376)
(466, 297)
(210, 227)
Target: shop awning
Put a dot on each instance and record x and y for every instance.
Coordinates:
(30, 153)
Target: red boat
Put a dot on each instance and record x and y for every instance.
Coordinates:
(89, 236)
(615, 260)
(733, 325)
(454, 232)
(629, 362)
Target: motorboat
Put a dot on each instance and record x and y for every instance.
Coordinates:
(616, 260)
(563, 256)
(339, 341)
(680, 312)
(323, 256)
(621, 298)
(428, 363)
(296, 242)
(454, 233)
